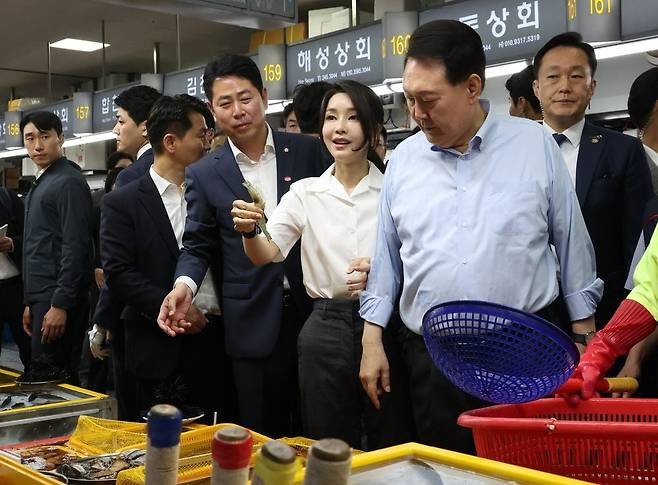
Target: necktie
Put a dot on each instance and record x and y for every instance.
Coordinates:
(559, 138)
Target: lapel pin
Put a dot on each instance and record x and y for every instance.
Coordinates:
(595, 140)
(285, 150)
(287, 178)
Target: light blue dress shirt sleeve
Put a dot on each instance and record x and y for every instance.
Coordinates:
(581, 288)
(384, 279)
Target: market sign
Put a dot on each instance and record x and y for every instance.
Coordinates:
(397, 28)
(104, 110)
(285, 9)
(596, 20)
(639, 18)
(282, 8)
(63, 110)
(3, 132)
(272, 63)
(13, 138)
(82, 114)
(510, 29)
(355, 54)
(185, 82)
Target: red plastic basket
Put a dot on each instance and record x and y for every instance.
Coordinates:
(608, 441)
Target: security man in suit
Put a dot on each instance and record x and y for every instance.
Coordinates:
(609, 169)
(263, 307)
(57, 249)
(141, 232)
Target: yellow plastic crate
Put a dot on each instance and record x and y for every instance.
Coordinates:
(195, 459)
(13, 473)
(460, 461)
(96, 436)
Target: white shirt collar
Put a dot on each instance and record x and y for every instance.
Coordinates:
(161, 183)
(142, 150)
(241, 157)
(373, 180)
(653, 154)
(573, 133)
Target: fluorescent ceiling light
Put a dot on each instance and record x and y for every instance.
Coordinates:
(396, 87)
(83, 140)
(78, 45)
(14, 152)
(505, 69)
(276, 106)
(626, 48)
(381, 89)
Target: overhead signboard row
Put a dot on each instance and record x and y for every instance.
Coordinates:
(372, 53)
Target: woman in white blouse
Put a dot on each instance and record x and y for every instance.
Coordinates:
(336, 214)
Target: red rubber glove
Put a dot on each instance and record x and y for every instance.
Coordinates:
(630, 324)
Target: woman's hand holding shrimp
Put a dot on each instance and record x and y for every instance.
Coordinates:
(245, 215)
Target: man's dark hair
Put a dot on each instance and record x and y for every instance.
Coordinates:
(520, 84)
(368, 108)
(205, 111)
(231, 65)
(138, 101)
(43, 120)
(284, 115)
(454, 44)
(567, 39)
(306, 101)
(115, 157)
(642, 97)
(170, 114)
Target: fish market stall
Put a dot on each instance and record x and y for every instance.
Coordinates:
(35, 412)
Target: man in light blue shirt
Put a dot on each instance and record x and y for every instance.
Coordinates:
(468, 211)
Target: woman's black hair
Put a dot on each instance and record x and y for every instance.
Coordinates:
(368, 108)
(642, 97)
(116, 157)
(112, 178)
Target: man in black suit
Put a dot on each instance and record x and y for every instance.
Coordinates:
(263, 307)
(57, 250)
(11, 285)
(609, 169)
(133, 107)
(141, 232)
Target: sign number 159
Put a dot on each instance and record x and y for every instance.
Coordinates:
(273, 72)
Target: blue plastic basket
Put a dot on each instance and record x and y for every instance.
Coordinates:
(497, 353)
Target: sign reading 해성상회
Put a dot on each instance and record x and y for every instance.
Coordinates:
(355, 54)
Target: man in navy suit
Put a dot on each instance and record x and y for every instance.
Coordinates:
(263, 307)
(133, 107)
(141, 232)
(609, 169)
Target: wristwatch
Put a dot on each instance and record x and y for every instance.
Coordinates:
(583, 338)
(253, 233)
